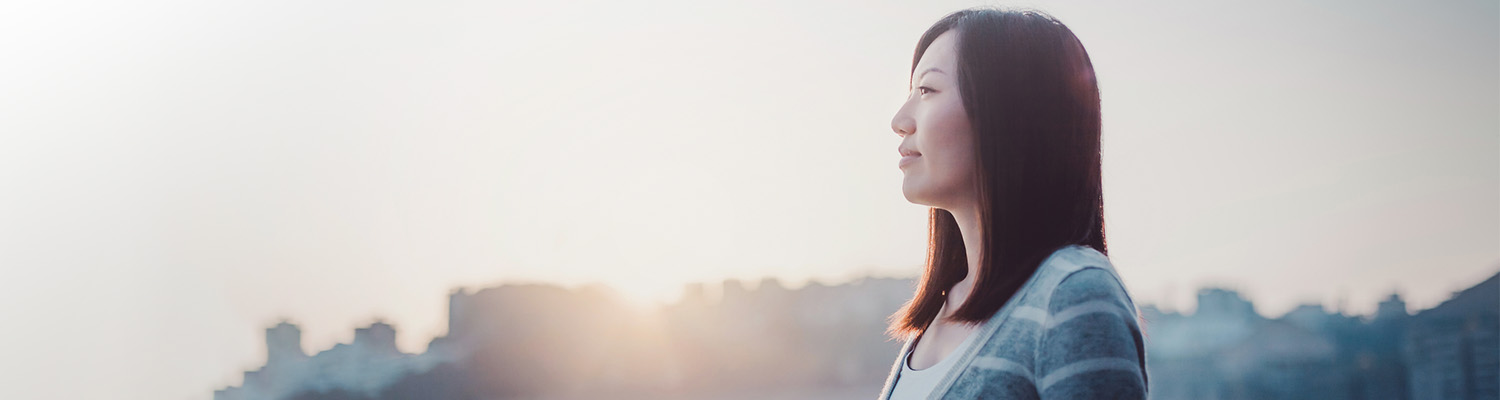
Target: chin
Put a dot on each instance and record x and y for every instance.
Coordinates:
(913, 196)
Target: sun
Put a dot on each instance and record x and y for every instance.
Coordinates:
(643, 294)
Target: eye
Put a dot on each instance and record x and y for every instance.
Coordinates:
(925, 90)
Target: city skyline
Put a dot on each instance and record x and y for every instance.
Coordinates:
(712, 294)
(1193, 354)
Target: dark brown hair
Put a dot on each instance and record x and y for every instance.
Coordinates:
(1033, 102)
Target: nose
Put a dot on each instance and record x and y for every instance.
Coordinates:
(902, 123)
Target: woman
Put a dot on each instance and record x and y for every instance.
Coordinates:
(1000, 136)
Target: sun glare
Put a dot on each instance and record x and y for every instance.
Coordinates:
(645, 294)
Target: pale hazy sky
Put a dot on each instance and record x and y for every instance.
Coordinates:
(175, 176)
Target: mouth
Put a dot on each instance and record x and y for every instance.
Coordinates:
(907, 158)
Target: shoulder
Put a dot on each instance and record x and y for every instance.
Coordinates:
(1076, 257)
(1091, 343)
(1071, 280)
(1082, 274)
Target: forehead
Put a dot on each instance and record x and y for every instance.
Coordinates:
(941, 54)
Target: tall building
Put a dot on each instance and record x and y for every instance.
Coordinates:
(1453, 350)
(284, 344)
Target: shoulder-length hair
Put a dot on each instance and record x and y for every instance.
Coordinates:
(1033, 102)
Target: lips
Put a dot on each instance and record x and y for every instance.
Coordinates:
(907, 159)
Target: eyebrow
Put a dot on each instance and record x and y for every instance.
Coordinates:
(933, 69)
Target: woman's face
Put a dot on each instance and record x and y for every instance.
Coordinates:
(937, 145)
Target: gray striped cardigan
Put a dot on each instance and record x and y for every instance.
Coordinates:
(1073, 333)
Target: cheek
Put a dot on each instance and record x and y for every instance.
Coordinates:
(950, 141)
(952, 121)
(950, 164)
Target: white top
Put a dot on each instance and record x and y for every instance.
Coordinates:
(917, 384)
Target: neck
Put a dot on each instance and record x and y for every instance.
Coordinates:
(968, 226)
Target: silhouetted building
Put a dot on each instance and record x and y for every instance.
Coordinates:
(358, 369)
(284, 344)
(1453, 350)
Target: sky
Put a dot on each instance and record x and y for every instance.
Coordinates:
(177, 176)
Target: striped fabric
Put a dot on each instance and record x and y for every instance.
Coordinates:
(1072, 333)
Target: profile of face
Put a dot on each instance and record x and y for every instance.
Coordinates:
(937, 145)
